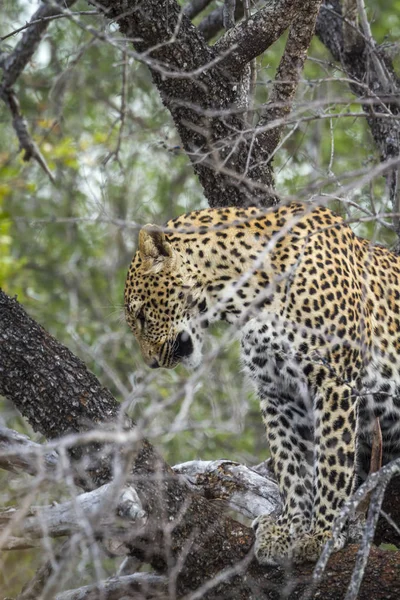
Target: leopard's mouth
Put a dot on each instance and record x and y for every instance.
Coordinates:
(185, 349)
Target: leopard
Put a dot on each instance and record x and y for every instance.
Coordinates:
(318, 311)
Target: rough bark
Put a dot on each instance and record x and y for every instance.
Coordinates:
(203, 98)
(288, 75)
(72, 399)
(252, 37)
(247, 491)
(381, 582)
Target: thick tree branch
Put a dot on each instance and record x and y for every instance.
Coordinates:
(252, 37)
(289, 72)
(243, 489)
(107, 509)
(212, 24)
(250, 492)
(142, 585)
(206, 107)
(19, 453)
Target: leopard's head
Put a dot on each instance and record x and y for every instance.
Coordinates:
(163, 304)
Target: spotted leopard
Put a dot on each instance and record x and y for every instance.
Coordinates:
(319, 313)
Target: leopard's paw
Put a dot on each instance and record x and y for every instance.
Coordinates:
(272, 545)
(308, 547)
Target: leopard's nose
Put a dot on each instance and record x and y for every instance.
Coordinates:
(153, 363)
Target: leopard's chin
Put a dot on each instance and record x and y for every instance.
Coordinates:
(194, 360)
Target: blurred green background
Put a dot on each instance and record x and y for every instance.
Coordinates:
(65, 247)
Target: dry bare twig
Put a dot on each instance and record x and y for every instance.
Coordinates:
(13, 65)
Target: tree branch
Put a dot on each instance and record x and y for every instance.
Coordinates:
(19, 453)
(106, 509)
(30, 148)
(250, 492)
(195, 7)
(13, 65)
(252, 37)
(244, 490)
(143, 585)
(212, 24)
(206, 107)
(16, 62)
(289, 72)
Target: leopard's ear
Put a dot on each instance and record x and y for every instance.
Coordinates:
(153, 243)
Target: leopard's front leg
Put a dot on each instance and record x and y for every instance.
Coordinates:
(290, 440)
(334, 465)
